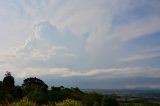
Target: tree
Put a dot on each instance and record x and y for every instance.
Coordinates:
(76, 89)
(31, 84)
(8, 83)
(35, 90)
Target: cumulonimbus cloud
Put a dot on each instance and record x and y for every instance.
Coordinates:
(73, 31)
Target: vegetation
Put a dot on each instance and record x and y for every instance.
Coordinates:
(69, 102)
(34, 92)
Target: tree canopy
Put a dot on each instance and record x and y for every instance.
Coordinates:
(8, 83)
(33, 82)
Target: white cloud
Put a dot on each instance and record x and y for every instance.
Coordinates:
(80, 16)
(112, 73)
(45, 43)
(95, 17)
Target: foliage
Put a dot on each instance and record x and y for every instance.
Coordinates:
(34, 92)
(24, 102)
(2, 93)
(69, 102)
(109, 101)
(31, 84)
(91, 98)
(139, 104)
(96, 104)
(8, 83)
(18, 93)
(38, 97)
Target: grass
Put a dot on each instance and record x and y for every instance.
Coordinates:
(26, 102)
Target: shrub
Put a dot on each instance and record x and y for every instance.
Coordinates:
(38, 97)
(91, 98)
(69, 102)
(109, 101)
(23, 102)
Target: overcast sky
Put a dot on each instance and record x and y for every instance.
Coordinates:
(84, 43)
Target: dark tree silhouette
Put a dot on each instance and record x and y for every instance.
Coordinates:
(36, 90)
(33, 83)
(8, 83)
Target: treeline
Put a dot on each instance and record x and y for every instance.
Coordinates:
(35, 91)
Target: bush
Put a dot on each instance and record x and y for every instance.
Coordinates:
(24, 102)
(38, 97)
(69, 102)
(96, 104)
(2, 93)
(109, 101)
(91, 98)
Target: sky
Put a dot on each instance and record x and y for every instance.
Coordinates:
(97, 44)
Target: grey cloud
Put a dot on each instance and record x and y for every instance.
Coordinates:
(142, 55)
(106, 78)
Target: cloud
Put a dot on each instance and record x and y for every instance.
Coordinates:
(47, 45)
(39, 47)
(129, 77)
(112, 73)
(95, 18)
(119, 73)
(142, 55)
(137, 28)
(101, 28)
(77, 38)
(70, 15)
